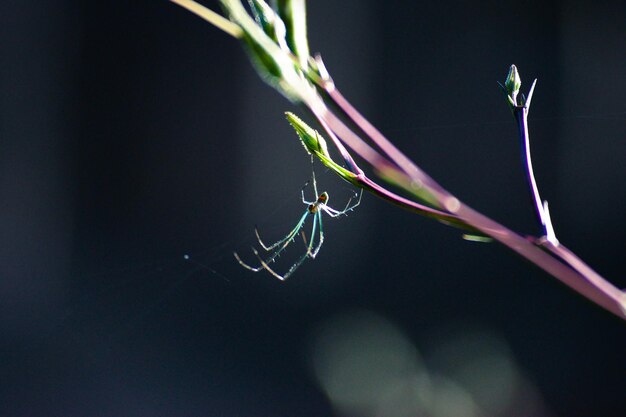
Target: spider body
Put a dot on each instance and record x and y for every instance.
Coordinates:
(319, 204)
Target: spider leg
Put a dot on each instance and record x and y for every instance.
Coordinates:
(287, 239)
(335, 213)
(265, 266)
(289, 272)
(358, 201)
(313, 253)
(302, 192)
(332, 212)
(245, 265)
(284, 242)
(295, 266)
(310, 252)
(314, 182)
(310, 245)
(300, 261)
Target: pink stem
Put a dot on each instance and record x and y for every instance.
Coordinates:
(569, 269)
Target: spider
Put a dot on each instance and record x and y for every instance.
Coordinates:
(315, 209)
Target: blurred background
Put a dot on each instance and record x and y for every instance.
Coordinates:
(133, 133)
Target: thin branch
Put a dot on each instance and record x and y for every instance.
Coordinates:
(520, 112)
(210, 16)
(546, 252)
(574, 273)
(397, 156)
(592, 276)
(569, 270)
(521, 118)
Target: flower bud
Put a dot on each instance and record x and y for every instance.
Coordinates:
(315, 144)
(512, 84)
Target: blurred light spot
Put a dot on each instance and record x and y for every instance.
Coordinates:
(482, 364)
(367, 366)
(452, 204)
(449, 399)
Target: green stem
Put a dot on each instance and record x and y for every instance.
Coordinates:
(210, 16)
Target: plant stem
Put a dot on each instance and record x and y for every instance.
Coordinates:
(521, 117)
(560, 262)
(564, 265)
(545, 252)
(339, 132)
(210, 16)
(541, 207)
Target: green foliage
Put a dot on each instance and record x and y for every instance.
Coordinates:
(268, 50)
(315, 145)
(293, 13)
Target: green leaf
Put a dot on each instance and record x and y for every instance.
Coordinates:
(272, 24)
(477, 238)
(293, 13)
(274, 64)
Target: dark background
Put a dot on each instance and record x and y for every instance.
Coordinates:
(133, 133)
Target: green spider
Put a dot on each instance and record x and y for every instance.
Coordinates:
(315, 209)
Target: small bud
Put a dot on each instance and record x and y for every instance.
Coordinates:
(512, 84)
(315, 144)
(312, 141)
(511, 89)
